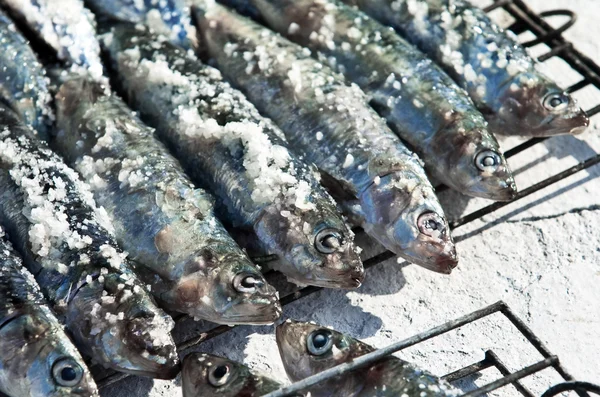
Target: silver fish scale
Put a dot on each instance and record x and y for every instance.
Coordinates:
(18, 288)
(66, 26)
(31, 337)
(240, 157)
(457, 33)
(23, 83)
(167, 17)
(487, 61)
(379, 182)
(54, 223)
(214, 99)
(325, 119)
(420, 102)
(164, 222)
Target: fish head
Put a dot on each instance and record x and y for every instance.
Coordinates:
(475, 165)
(406, 217)
(531, 105)
(117, 322)
(307, 349)
(316, 245)
(208, 375)
(45, 363)
(224, 286)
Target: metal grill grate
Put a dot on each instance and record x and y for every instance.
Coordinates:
(525, 20)
(490, 360)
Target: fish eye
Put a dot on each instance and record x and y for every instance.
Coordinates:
(66, 372)
(556, 101)
(219, 375)
(488, 160)
(328, 241)
(245, 282)
(319, 342)
(431, 224)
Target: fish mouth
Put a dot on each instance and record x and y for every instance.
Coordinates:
(166, 372)
(507, 192)
(149, 348)
(578, 130)
(442, 263)
(351, 280)
(560, 126)
(252, 314)
(149, 368)
(79, 391)
(446, 265)
(251, 320)
(427, 243)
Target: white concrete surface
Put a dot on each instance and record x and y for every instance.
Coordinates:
(541, 255)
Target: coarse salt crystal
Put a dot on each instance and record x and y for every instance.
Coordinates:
(293, 28)
(348, 161)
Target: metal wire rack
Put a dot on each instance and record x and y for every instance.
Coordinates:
(524, 20)
(490, 360)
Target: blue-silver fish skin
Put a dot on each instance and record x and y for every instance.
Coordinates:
(228, 148)
(170, 18)
(64, 25)
(485, 60)
(38, 359)
(64, 238)
(23, 82)
(419, 100)
(307, 349)
(329, 122)
(161, 219)
(204, 375)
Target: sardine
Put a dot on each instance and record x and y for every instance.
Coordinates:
(166, 225)
(64, 25)
(64, 238)
(227, 147)
(307, 349)
(23, 85)
(485, 60)
(37, 358)
(206, 375)
(170, 18)
(329, 122)
(419, 101)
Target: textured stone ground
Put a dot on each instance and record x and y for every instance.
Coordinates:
(541, 255)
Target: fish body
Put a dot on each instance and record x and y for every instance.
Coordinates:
(307, 349)
(485, 60)
(23, 85)
(419, 101)
(168, 17)
(64, 25)
(329, 122)
(240, 157)
(205, 375)
(64, 238)
(38, 359)
(166, 225)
